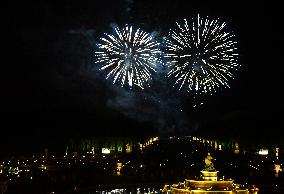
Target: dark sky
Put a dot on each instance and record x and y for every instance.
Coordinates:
(50, 87)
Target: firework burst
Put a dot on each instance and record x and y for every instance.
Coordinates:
(129, 56)
(201, 55)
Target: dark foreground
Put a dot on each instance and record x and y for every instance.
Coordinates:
(162, 162)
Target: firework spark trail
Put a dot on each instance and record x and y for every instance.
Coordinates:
(129, 56)
(201, 55)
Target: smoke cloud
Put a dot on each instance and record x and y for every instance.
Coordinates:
(161, 104)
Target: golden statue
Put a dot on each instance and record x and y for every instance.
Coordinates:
(208, 163)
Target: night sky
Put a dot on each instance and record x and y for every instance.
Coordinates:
(51, 87)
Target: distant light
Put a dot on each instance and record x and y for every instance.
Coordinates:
(263, 152)
(277, 152)
(105, 151)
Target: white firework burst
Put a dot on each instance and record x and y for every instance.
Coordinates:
(201, 55)
(129, 56)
